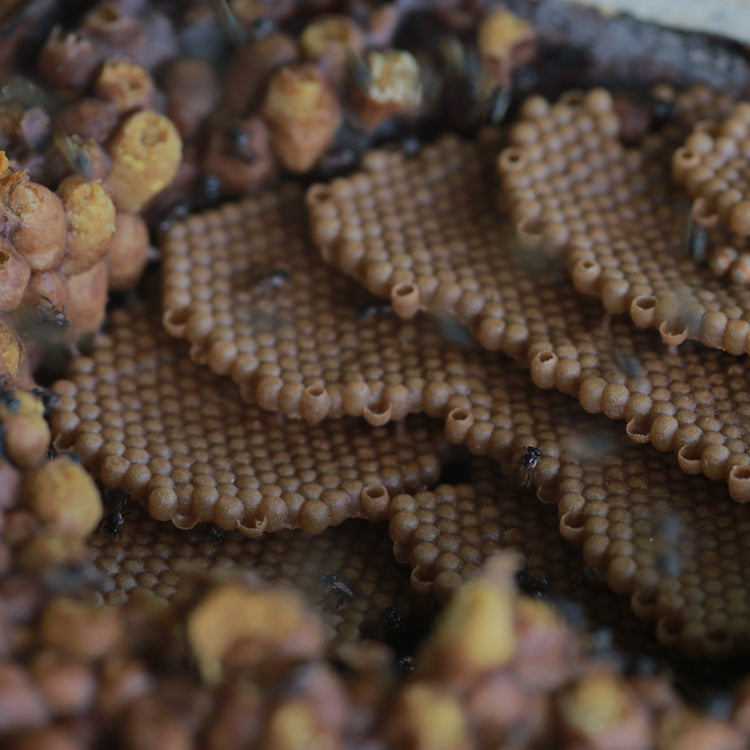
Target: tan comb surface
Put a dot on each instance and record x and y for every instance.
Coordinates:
(714, 164)
(308, 343)
(145, 418)
(675, 544)
(446, 534)
(155, 557)
(442, 246)
(615, 218)
(711, 242)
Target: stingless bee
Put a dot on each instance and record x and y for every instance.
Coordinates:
(48, 313)
(525, 471)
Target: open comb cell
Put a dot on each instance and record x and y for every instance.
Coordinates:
(425, 234)
(147, 420)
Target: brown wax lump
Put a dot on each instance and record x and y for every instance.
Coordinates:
(91, 220)
(125, 83)
(192, 92)
(15, 273)
(27, 434)
(250, 67)
(260, 622)
(42, 232)
(391, 86)
(64, 497)
(331, 41)
(98, 670)
(243, 285)
(174, 436)
(146, 151)
(87, 294)
(128, 252)
(80, 629)
(11, 353)
(238, 153)
(504, 42)
(302, 113)
(424, 232)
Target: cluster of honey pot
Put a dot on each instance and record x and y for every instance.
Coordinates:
(334, 398)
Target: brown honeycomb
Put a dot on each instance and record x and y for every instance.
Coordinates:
(712, 243)
(154, 557)
(146, 419)
(446, 534)
(613, 215)
(714, 164)
(675, 544)
(243, 284)
(444, 248)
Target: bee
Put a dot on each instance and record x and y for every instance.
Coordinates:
(49, 400)
(369, 309)
(696, 241)
(663, 110)
(242, 146)
(4, 457)
(262, 27)
(215, 534)
(358, 71)
(334, 584)
(73, 148)
(230, 24)
(531, 585)
(9, 401)
(404, 631)
(273, 280)
(113, 521)
(411, 145)
(404, 665)
(525, 472)
(48, 313)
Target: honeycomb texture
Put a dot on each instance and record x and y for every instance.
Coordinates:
(675, 544)
(154, 557)
(146, 419)
(444, 243)
(714, 165)
(446, 535)
(244, 285)
(721, 250)
(615, 218)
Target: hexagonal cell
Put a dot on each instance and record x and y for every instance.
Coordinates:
(439, 234)
(146, 419)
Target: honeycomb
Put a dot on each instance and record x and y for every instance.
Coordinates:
(244, 285)
(614, 216)
(675, 544)
(713, 166)
(445, 249)
(448, 533)
(347, 572)
(145, 419)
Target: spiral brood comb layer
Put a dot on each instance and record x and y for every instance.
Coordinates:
(146, 419)
(152, 557)
(247, 289)
(714, 165)
(424, 232)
